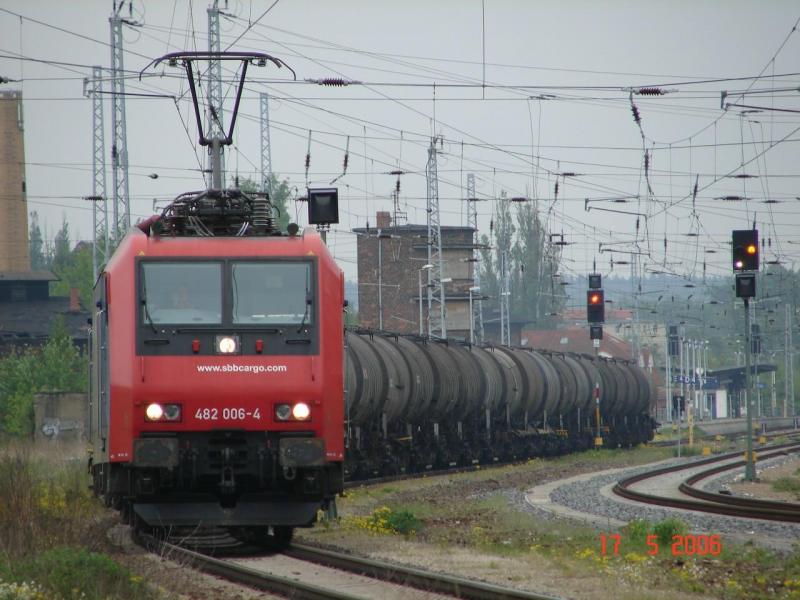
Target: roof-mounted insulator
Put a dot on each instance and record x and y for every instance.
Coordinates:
(333, 81)
(649, 91)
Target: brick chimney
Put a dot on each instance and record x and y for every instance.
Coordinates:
(74, 300)
(383, 220)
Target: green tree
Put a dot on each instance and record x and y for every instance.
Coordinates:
(279, 197)
(491, 257)
(61, 247)
(75, 272)
(531, 264)
(535, 293)
(36, 246)
(56, 366)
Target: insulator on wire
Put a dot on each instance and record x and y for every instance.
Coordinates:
(308, 160)
(650, 91)
(556, 189)
(332, 81)
(397, 186)
(646, 162)
(491, 225)
(635, 111)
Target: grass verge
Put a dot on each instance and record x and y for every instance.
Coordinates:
(483, 513)
(50, 533)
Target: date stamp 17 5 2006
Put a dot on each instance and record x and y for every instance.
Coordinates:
(681, 544)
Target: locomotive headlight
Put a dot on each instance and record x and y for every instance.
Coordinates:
(162, 412)
(283, 412)
(172, 412)
(292, 412)
(154, 412)
(227, 344)
(301, 411)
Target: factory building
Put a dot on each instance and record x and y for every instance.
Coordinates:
(14, 206)
(27, 312)
(391, 278)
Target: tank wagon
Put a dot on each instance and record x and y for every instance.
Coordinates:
(415, 403)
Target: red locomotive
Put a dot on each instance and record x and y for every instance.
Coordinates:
(217, 379)
(217, 353)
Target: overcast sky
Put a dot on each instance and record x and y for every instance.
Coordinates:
(558, 76)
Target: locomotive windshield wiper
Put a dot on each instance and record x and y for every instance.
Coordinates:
(144, 303)
(305, 314)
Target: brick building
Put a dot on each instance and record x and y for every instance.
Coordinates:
(403, 251)
(14, 206)
(27, 312)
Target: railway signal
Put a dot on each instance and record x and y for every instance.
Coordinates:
(323, 206)
(595, 306)
(745, 250)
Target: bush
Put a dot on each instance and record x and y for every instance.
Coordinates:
(385, 520)
(668, 528)
(638, 530)
(78, 573)
(57, 366)
(403, 522)
(42, 504)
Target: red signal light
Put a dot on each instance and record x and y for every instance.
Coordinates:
(595, 306)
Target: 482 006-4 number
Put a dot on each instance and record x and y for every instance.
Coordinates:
(227, 414)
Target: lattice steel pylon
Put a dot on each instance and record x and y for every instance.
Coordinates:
(214, 87)
(437, 317)
(119, 141)
(266, 151)
(472, 212)
(100, 239)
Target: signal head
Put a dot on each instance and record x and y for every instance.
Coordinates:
(744, 250)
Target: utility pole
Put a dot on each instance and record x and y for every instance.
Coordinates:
(100, 241)
(788, 364)
(266, 151)
(437, 325)
(476, 311)
(749, 465)
(119, 143)
(503, 293)
(668, 394)
(214, 87)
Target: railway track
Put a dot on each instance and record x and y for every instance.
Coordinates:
(733, 436)
(431, 585)
(711, 502)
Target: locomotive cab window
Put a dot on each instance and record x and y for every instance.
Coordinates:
(185, 293)
(271, 293)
